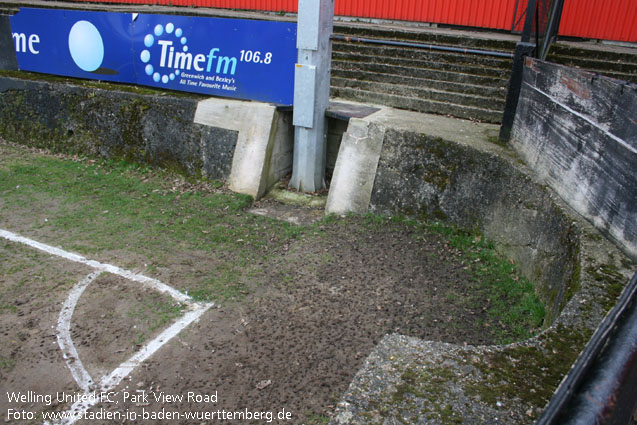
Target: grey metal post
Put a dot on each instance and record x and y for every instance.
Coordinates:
(311, 93)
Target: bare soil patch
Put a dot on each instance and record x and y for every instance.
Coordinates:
(33, 287)
(114, 317)
(311, 319)
(299, 307)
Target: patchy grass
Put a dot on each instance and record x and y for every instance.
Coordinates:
(512, 303)
(98, 208)
(154, 314)
(101, 208)
(512, 298)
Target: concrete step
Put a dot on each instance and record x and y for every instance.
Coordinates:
(469, 89)
(494, 41)
(420, 105)
(422, 55)
(435, 62)
(619, 70)
(424, 73)
(439, 95)
(609, 60)
(458, 84)
(603, 53)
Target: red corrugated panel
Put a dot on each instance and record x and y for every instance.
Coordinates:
(608, 20)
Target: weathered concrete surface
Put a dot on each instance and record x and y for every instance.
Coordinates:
(249, 144)
(114, 123)
(578, 132)
(263, 153)
(355, 169)
(408, 380)
(429, 177)
(433, 167)
(7, 47)
(446, 169)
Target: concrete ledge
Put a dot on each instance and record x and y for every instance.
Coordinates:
(114, 122)
(355, 169)
(248, 144)
(263, 154)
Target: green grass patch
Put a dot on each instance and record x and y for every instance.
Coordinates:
(99, 207)
(511, 299)
(153, 315)
(95, 207)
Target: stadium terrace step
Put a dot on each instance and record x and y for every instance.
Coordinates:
(449, 83)
(417, 104)
(495, 105)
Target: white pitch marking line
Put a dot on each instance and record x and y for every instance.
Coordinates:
(148, 281)
(65, 341)
(108, 382)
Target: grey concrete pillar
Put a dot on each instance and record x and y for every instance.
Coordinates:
(7, 47)
(311, 93)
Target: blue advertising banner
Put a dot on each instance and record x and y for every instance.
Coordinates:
(225, 57)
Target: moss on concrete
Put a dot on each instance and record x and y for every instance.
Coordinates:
(112, 121)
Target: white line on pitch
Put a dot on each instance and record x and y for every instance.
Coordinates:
(65, 341)
(110, 381)
(145, 280)
(81, 375)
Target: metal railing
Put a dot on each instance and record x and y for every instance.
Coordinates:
(541, 26)
(600, 388)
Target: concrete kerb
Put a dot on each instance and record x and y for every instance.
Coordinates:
(479, 384)
(263, 153)
(362, 143)
(355, 169)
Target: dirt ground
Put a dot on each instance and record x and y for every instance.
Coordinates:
(294, 343)
(287, 343)
(296, 346)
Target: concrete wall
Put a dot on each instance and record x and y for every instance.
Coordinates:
(424, 176)
(152, 128)
(247, 144)
(578, 132)
(438, 168)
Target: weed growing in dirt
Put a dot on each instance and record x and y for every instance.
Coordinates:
(6, 364)
(313, 419)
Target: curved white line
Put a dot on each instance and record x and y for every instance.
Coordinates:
(194, 311)
(110, 381)
(73, 362)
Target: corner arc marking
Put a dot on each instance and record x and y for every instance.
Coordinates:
(194, 311)
(71, 357)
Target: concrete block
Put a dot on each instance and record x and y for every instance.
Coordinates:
(355, 169)
(7, 49)
(263, 153)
